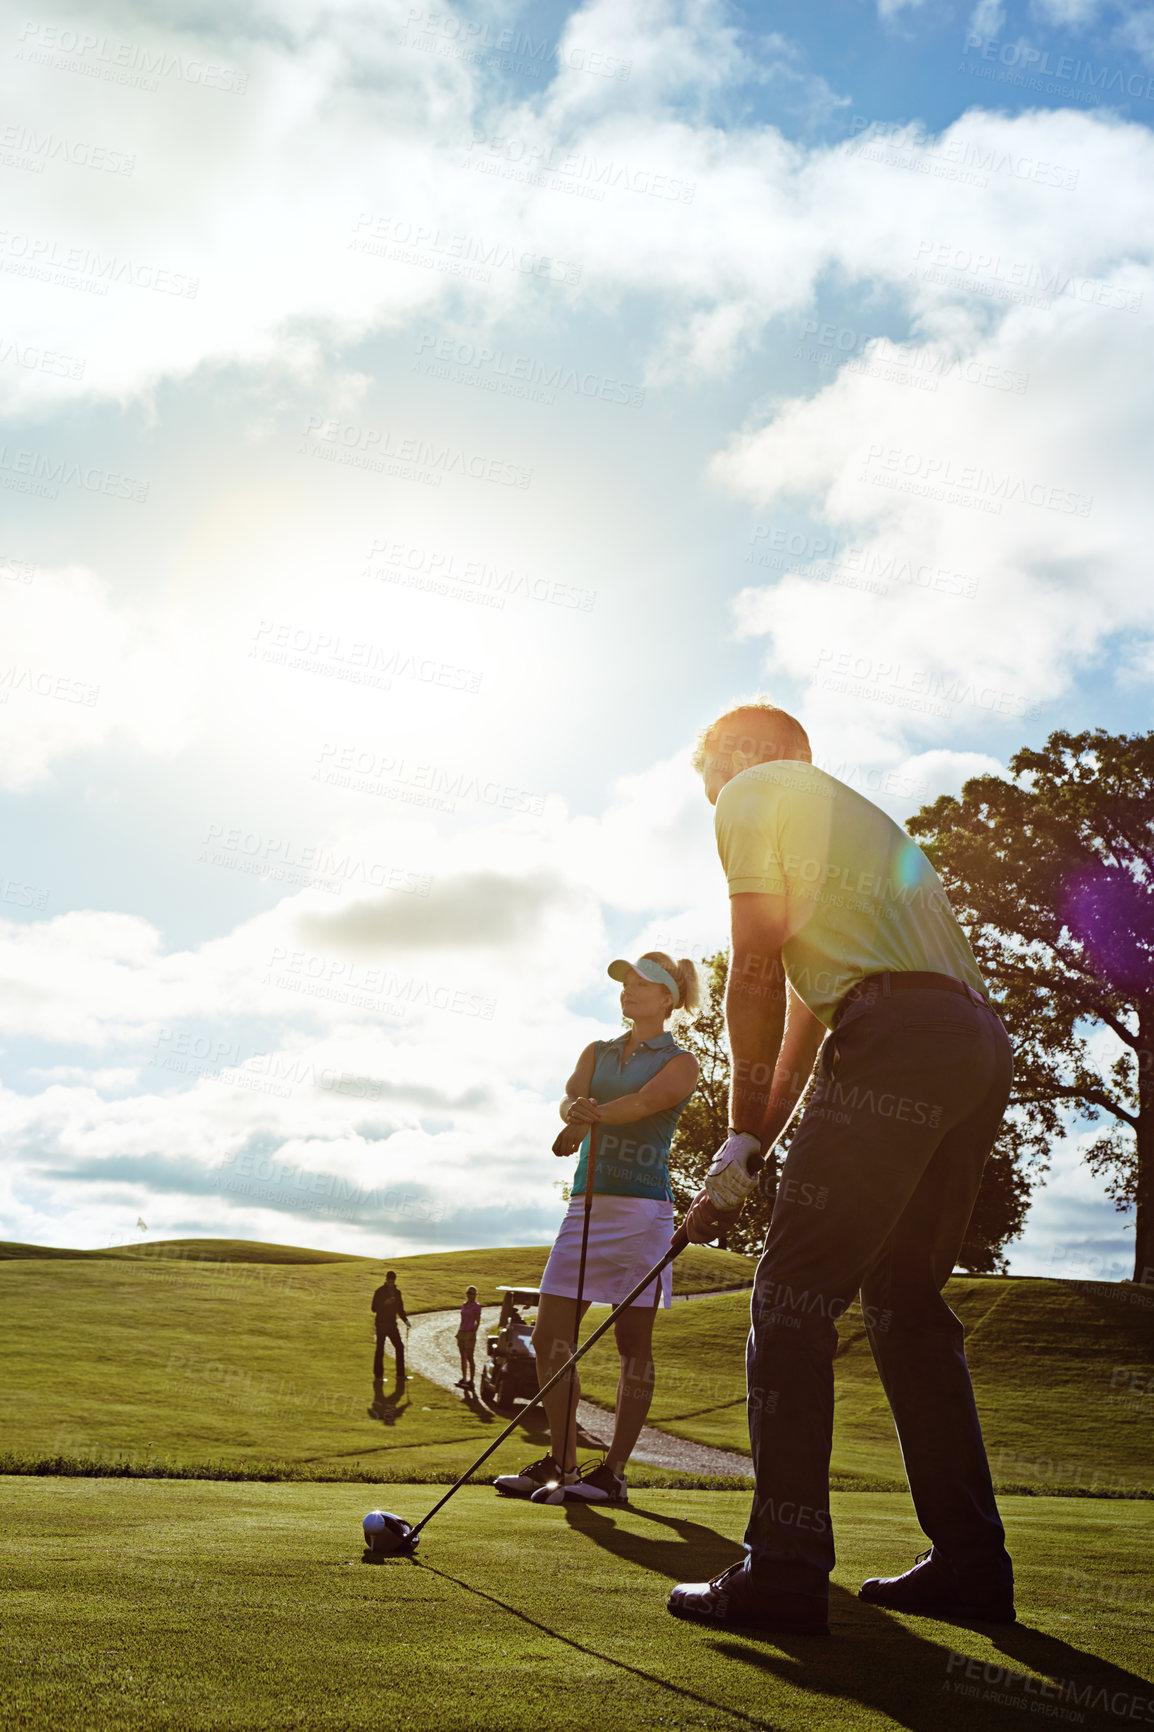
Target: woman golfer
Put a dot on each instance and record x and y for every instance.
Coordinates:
(634, 1089)
(467, 1338)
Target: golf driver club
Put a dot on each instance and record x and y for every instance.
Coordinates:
(394, 1536)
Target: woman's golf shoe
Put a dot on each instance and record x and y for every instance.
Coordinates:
(591, 1485)
(599, 1485)
(538, 1476)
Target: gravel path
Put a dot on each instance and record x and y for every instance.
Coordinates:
(432, 1351)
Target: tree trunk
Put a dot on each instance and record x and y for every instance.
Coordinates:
(1144, 1134)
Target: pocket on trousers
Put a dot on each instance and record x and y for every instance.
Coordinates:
(849, 1017)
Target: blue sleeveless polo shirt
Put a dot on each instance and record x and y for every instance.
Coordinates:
(633, 1159)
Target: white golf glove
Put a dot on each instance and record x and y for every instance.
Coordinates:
(729, 1180)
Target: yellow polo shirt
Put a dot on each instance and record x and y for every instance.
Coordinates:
(863, 898)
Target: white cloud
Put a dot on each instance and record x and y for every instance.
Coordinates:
(1067, 14)
(79, 671)
(890, 9)
(1138, 666)
(1001, 498)
(674, 50)
(987, 19)
(477, 909)
(1073, 1231)
(710, 240)
(945, 772)
(420, 1061)
(1135, 30)
(297, 178)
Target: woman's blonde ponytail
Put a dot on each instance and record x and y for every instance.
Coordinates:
(684, 973)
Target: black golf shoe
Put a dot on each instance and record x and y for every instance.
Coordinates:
(932, 1589)
(733, 1601)
(535, 1477)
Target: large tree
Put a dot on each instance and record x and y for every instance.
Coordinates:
(1052, 876)
(998, 1213)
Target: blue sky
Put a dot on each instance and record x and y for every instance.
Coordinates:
(416, 423)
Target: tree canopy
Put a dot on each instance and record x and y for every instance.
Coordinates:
(1052, 876)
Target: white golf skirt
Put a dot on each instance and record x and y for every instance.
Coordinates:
(627, 1236)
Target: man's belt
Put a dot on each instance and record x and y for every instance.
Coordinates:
(881, 985)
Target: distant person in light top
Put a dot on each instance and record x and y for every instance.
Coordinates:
(843, 943)
(388, 1306)
(635, 1089)
(467, 1338)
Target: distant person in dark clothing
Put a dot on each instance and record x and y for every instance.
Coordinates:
(388, 1306)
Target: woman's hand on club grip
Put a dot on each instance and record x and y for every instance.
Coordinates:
(584, 1111)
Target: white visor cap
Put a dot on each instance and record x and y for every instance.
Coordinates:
(648, 970)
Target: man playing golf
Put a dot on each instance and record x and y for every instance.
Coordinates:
(388, 1306)
(842, 939)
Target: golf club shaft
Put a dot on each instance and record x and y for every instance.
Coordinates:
(678, 1243)
(590, 1172)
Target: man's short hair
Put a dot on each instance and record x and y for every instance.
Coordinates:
(390, 1274)
(760, 729)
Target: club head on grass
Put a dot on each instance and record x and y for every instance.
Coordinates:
(387, 1536)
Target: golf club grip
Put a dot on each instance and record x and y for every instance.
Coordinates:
(677, 1244)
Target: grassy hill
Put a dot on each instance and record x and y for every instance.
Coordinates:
(230, 1352)
(434, 1279)
(1053, 1362)
(213, 1250)
(223, 1351)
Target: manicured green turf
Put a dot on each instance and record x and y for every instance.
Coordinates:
(193, 1359)
(140, 1607)
(240, 1358)
(1053, 1364)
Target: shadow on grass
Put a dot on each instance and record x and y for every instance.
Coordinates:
(569, 1641)
(388, 1408)
(884, 1663)
(881, 1662)
(386, 1413)
(478, 1408)
(684, 1549)
(533, 1423)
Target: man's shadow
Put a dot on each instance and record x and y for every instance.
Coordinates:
(916, 1681)
(388, 1408)
(533, 1423)
(875, 1658)
(678, 1549)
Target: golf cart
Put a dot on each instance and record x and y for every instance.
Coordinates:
(510, 1370)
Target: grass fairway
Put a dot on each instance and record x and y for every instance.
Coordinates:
(226, 1352)
(1052, 1363)
(223, 1351)
(142, 1605)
